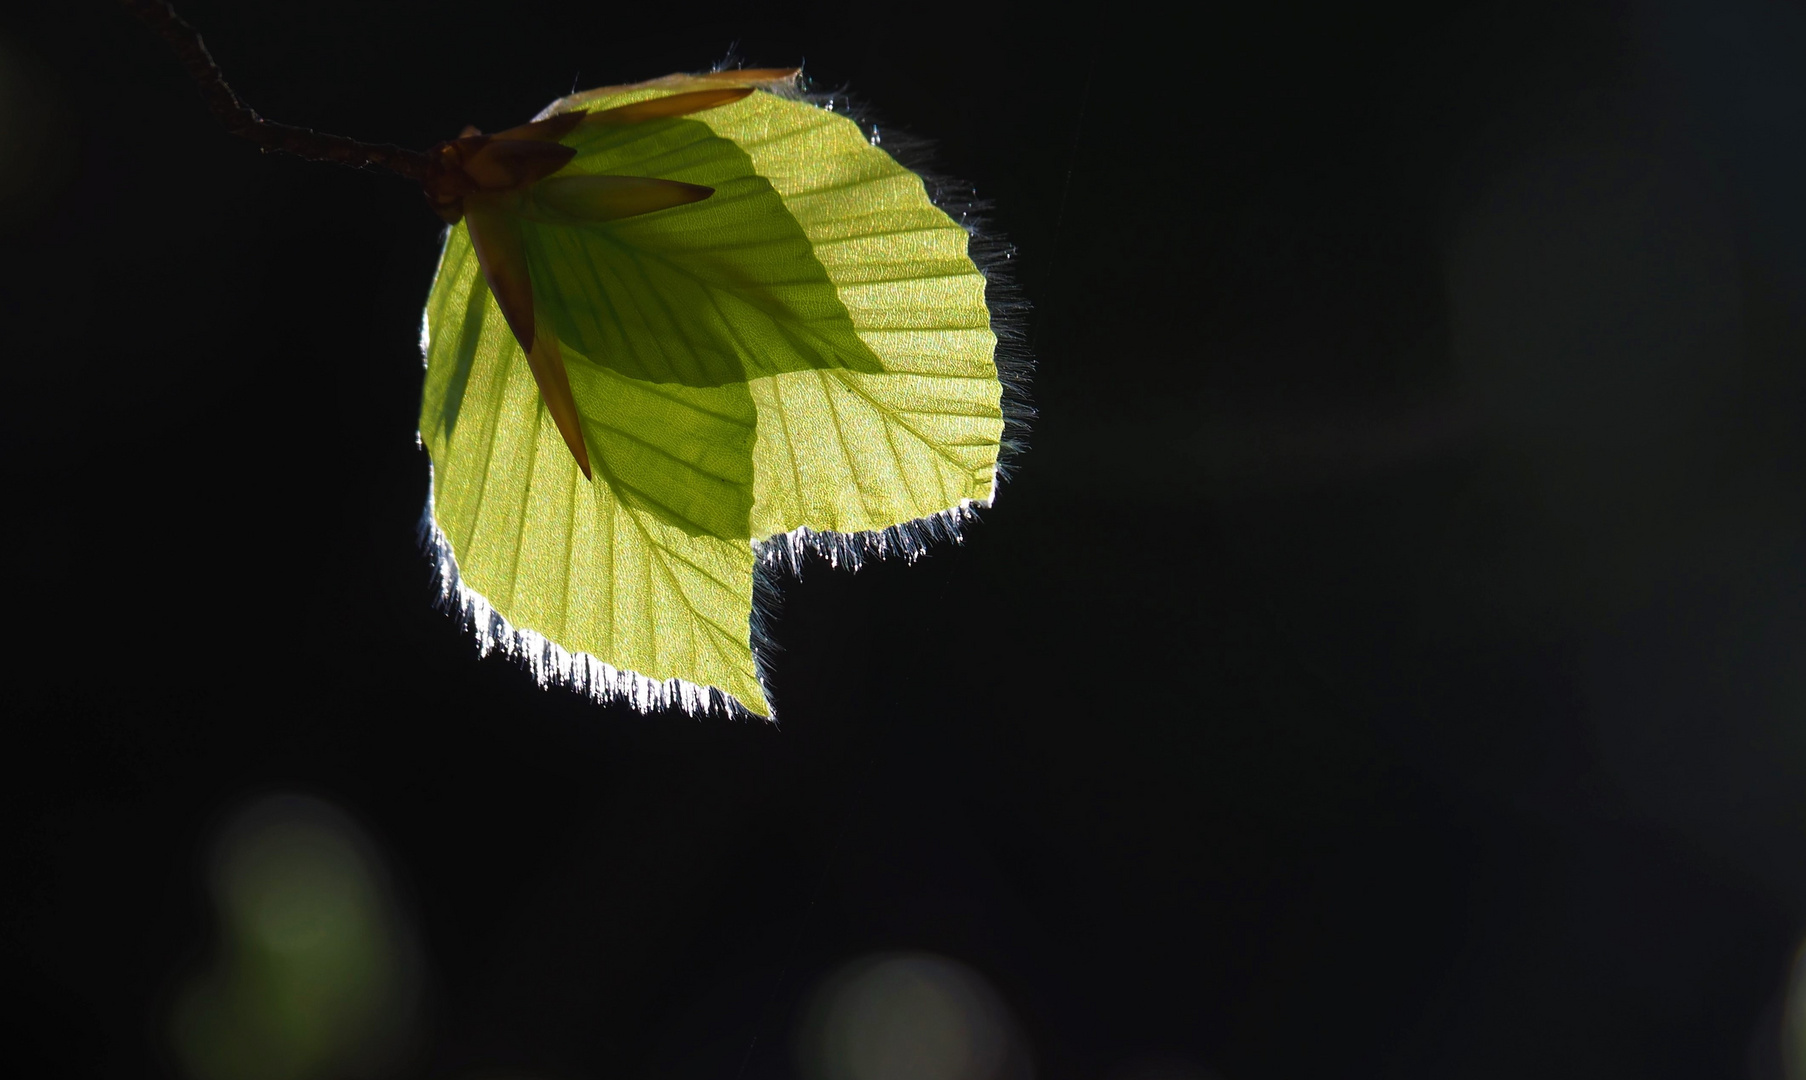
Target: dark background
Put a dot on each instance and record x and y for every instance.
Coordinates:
(1388, 660)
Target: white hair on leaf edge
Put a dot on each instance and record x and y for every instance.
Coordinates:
(909, 540)
(784, 555)
(550, 663)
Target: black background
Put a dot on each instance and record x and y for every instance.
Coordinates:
(1387, 661)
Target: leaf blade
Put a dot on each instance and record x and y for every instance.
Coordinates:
(600, 569)
(922, 436)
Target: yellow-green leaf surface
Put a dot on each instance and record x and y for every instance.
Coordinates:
(848, 450)
(725, 290)
(809, 348)
(623, 568)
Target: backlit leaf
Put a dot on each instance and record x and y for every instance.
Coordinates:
(808, 347)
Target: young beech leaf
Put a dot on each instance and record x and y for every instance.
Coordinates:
(673, 321)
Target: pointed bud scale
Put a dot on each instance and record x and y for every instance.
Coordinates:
(611, 198)
(663, 108)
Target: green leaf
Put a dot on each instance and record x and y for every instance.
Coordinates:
(850, 450)
(808, 348)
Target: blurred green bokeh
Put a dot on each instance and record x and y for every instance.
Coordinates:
(909, 1016)
(313, 976)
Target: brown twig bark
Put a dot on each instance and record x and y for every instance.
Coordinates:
(242, 120)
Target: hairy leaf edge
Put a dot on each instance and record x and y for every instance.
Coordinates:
(551, 664)
(786, 554)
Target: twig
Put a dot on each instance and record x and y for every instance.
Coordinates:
(242, 120)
